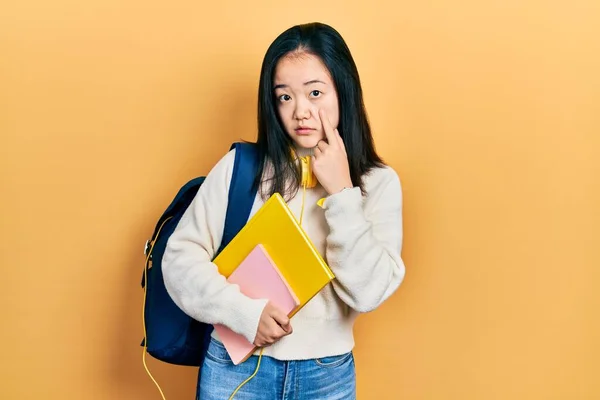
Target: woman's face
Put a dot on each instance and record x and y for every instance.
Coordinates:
(303, 86)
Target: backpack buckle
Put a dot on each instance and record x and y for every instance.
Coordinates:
(147, 246)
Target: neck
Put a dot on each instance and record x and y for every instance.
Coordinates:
(303, 152)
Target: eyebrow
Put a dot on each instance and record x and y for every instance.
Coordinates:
(305, 84)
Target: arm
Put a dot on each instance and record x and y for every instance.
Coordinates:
(365, 242)
(191, 278)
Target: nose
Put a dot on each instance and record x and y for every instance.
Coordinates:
(302, 110)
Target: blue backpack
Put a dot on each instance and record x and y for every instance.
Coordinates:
(170, 334)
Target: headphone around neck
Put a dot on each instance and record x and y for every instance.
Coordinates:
(308, 178)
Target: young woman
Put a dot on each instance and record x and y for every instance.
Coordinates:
(310, 104)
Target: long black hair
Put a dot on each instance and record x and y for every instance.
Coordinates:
(274, 144)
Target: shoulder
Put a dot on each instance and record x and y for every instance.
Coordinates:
(241, 156)
(382, 179)
(224, 165)
(225, 162)
(220, 174)
(383, 190)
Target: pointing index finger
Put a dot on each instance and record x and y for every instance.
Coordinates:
(329, 132)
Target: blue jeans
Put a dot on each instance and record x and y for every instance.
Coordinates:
(329, 378)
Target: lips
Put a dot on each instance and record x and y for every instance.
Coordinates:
(304, 130)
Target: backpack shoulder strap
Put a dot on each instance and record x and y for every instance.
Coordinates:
(242, 191)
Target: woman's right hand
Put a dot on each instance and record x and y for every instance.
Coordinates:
(273, 325)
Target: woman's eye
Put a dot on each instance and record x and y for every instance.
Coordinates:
(315, 93)
(284, 97)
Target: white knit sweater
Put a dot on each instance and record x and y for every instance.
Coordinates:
(360, 237)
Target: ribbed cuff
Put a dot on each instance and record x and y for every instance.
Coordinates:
(245, 317)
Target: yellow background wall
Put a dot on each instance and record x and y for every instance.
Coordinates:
(489, 111)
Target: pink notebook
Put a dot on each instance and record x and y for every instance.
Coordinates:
(259, 278)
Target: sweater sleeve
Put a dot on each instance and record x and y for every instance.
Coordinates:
(191, 278)
(365, 242)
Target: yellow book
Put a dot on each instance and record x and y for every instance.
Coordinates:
(277, 230)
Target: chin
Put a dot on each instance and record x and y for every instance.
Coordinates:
(306, 142)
